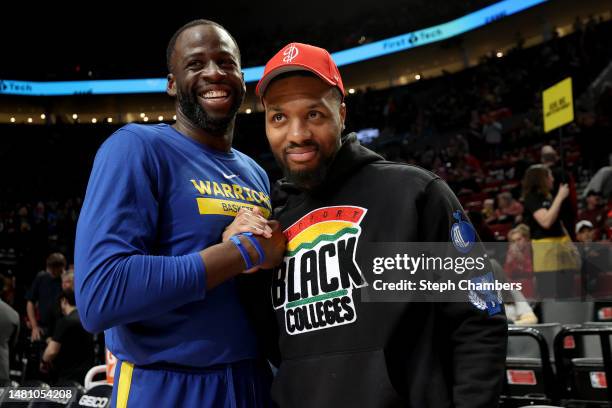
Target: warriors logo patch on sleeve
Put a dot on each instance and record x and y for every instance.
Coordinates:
(462, 234)
(314, 284)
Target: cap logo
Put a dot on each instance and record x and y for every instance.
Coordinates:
(290, 53)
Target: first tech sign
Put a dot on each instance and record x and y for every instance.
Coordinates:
(313, 287)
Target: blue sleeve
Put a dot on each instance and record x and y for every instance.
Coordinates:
(117, 280)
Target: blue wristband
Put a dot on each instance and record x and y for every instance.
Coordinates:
(243, 251)
(257, 245)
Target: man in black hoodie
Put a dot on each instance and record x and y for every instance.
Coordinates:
(337, 349)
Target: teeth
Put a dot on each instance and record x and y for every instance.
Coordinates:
(215, 94)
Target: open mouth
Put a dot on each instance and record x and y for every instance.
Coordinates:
(216, 99)
(214, 94)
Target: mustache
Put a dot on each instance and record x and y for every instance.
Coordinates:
(293, 145)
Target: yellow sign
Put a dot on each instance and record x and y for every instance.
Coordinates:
(558, 105)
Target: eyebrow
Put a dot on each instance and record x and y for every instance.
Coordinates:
(311, 106)
(199, 53)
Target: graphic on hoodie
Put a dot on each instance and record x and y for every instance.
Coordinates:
(314, 284)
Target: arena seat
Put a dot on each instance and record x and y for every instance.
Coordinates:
(567, 312)
(473, 205)
(5, 385)
(603, 288)
(92, 373)
(99, 396)
(584, 379)
(529, 375)
(501, 230)
(510, 185)
(524, 347)
(76, 390)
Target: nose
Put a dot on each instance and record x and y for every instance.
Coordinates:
(299, 131)
(212, 72)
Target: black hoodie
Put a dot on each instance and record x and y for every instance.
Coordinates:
(338, 351)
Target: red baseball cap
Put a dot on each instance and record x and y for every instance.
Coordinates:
(301, 57)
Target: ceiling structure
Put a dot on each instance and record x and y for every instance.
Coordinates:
(56, 41)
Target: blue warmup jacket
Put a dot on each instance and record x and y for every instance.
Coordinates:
(155, 198)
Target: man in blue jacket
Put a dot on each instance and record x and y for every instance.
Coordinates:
(150, 267)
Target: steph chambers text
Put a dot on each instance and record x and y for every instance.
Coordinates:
(428, 286)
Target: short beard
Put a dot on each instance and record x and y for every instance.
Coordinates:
(198, 116)
(307, 180)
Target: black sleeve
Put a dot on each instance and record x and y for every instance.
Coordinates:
(255, 296)
(533, 202)
(477, 338)
(33, 294)
(61, 330)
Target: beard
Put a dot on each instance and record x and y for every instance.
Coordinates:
(188, 103)
(307, 179)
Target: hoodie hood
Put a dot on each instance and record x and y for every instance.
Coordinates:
(351, 157)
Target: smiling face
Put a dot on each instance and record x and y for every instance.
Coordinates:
(304, 120)
(206, 78)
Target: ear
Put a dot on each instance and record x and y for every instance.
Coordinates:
(342, 111)
(171, 85)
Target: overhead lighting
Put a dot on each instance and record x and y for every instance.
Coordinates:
(43, 116)
(12, 120)
(146, 119)
(75, 116)
(94, 120)
(29, 120)
(109, 120)
(160, 118)
(174, 117)
(248, 111)
(352, 91)
(142, 115)
(499, 54)
(417, 77)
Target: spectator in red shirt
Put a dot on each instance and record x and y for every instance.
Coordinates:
(594, 212)
(518, 266)
(508, 207)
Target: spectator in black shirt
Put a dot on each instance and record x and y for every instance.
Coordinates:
(541, 211)
(70, 351)
(550, 241)
(567, 212)
(44, 292)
